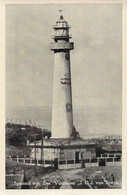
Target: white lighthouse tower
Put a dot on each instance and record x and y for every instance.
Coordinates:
(62, 113)
(60, 148)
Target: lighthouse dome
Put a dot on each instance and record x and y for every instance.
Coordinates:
(62, 23)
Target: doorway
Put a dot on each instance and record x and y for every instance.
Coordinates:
(76, 157)
(101, 162)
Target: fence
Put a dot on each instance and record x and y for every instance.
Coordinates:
(99, 161)
(110, 155)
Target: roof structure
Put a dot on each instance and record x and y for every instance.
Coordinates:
(63, 143)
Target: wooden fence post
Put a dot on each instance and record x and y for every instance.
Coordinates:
(98, 161)
(66, 163)
(113, 160)
(10, 158)
(105, 161)
(30, 161)
(90, 161)
(74, 163)
(24, 158)
(17, 159)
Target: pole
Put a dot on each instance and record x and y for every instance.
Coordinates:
(42, 150)
(35, 152)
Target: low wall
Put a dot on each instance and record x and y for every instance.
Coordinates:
(77, 165)
(87, 165)
(70, 166)
(118, 163)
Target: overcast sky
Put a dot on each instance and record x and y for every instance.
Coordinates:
(95, 61)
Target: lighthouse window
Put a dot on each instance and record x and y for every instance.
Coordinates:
(69, 107)
(66, 56)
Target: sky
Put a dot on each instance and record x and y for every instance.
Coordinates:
(96, 61)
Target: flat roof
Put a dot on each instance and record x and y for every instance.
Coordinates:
(63, 143)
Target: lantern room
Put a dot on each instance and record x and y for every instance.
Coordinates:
(61, 30)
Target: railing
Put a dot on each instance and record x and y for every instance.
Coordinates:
(61, 36)
(61, 27)
(58, 46)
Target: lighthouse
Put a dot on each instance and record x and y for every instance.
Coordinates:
(62, 112)
(59, 149)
